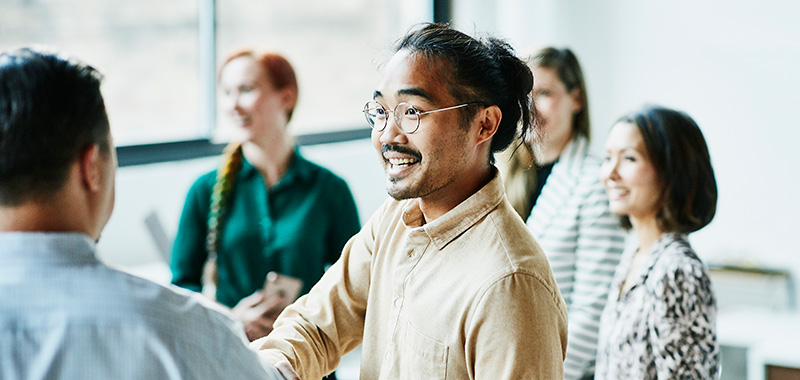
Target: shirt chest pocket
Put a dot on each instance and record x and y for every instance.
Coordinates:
(423, 357)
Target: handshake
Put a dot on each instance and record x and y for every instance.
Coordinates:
(259, 310)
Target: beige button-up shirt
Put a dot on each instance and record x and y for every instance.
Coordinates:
(469, 295)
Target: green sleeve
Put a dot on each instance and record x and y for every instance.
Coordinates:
(189, 252)
(345, 221)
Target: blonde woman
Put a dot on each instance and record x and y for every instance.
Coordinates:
(556, 190)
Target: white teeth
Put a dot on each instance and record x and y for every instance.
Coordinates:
(617, 192)
(402, 161)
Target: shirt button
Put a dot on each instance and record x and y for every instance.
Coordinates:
(398, 302)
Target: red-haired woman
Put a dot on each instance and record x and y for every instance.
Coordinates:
(266, 208)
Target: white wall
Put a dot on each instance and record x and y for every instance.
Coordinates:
(732, 65)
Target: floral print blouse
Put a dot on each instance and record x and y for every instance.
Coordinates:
(664, 326)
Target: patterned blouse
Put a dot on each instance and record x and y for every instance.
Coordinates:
(664, 327)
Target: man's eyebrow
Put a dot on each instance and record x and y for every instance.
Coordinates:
(412, 91)
(415, 91)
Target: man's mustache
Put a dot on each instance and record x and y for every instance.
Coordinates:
(400, 149)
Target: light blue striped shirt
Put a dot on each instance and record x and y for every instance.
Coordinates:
(65, 315)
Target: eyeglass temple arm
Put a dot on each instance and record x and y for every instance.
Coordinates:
(449, 108)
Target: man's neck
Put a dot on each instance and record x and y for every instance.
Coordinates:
(38, 217)
(441, 202)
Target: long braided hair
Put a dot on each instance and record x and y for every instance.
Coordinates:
(220, 196)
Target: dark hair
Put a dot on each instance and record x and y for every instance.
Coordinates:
(566, 65)
(280, 72)
(51, 110)
(485, 71)
(679, 154)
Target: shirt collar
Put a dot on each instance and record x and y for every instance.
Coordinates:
(452, 224)
(571, 158)
(46, 246)
(664, 241)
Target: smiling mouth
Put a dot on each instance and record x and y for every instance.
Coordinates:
(399, 157)
(616, 193)
(401, 162)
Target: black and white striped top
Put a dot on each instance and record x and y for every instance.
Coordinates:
(583, 242)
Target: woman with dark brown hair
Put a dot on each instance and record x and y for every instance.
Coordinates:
(266, 209)
(660, 319)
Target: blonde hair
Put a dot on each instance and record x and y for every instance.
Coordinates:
(220, 198)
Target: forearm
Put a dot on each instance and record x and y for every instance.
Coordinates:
(320, 327)
(299, 342)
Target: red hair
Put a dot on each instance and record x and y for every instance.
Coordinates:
(279, 71)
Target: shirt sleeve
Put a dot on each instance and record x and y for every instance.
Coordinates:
(516, 331)
(599, 245)
(683, 328)
(189, 251)
(344, 216)
(314, 332)
(230, 352)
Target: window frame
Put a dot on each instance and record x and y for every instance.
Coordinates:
(142, 154)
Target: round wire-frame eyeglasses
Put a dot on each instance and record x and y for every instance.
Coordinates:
(405, 115)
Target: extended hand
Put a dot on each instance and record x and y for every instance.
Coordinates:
(286, 370)
(258, 313)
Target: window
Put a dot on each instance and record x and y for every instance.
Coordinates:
(334, 46)
(159, 82)
(147, 50)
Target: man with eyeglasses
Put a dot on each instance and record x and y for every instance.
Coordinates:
(444, 281)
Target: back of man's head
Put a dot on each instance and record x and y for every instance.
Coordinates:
(485, 70)
(51, 110)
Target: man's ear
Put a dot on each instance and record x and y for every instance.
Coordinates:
(91, 167)
(489, 119)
